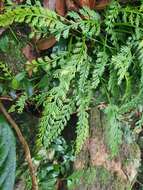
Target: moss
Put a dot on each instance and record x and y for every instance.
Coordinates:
(11, 51)
(103, 175)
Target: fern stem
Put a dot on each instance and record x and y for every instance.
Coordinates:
(127, 24)
(13, 34)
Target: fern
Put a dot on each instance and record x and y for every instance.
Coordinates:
(7, 155)
(77, 177)
(39, 17)
(122, 62)
(111, 18)
(34, 16)
(82, 100)
(20, 104)
(136, 100)
(113, 131)
(57, 107)
(98, 55)
(99, 68)
(139, 51)
(90, 26)
(82, 128)
(113, 83)
(6, 73)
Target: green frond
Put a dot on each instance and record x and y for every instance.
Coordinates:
(5, 72)
(97, 55)
(90, 25)
(113, 130)
(82, 128)
(135, 102)
(58, 107)
(139, 52)
(122, 62)
(83, 97)
(20, 104)
(54, 119)
(111, 18)
(99, 68)
(113, 83)
(34, 16)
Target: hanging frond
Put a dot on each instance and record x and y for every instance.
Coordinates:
(122, 62)
(112, 15)
(113, 131)
(99, 68)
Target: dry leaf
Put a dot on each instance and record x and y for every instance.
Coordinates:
(102, 4)
(1, 6)
(29, 52)
(50, 4)
(83, 3)
(1, 31)
(46, 43)
(61, 7)
(18, 1)
(71, 5)
(92, 3)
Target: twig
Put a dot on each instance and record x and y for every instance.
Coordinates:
(24, 144)
(6, 98)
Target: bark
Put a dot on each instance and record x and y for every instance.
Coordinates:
(111, 174)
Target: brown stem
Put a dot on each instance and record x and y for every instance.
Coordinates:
(24, 144)
(6, 98)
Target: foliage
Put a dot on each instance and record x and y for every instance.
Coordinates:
(7, 155)
(80, 176)
(113, 130)
(72, 69)
(97, 60)
(53, 164)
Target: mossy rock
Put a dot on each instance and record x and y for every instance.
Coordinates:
(11, 52)
(112, 173)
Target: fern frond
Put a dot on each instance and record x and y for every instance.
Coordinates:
(111, 18)
(57, 107)
(6, 74)
(122, 62)
(38, 17)
(132, 16)
(34, 16)
(90, 25)
(113, 131)
(113, 83)
(135, 102)
(139, 52)
(53, 121)
(82, 128)
(83, 97)
(99, 68)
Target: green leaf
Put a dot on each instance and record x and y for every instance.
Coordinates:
(7, 156)
(15, 84)
(20, 76)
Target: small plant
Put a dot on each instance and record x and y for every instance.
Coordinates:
(96, 59)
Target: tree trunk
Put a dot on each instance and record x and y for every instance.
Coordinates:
(117, 173)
